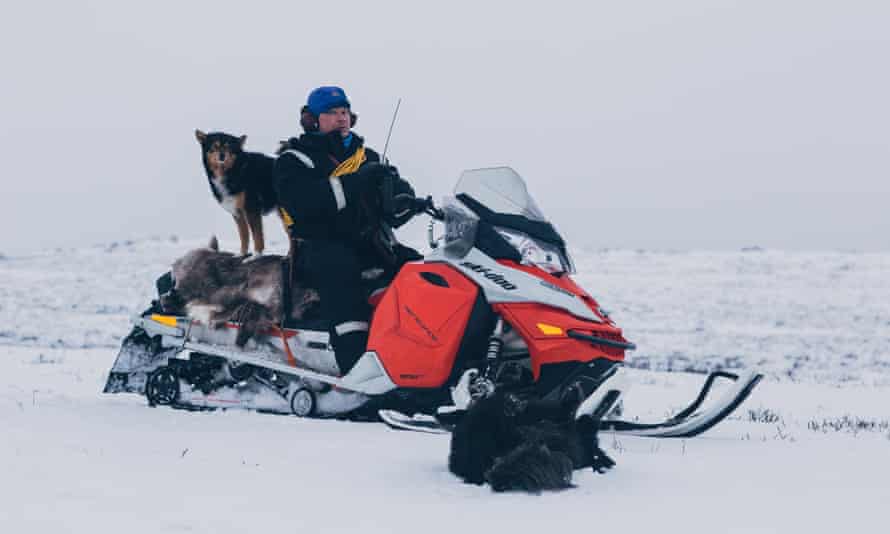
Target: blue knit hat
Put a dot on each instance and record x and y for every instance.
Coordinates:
(325, 98)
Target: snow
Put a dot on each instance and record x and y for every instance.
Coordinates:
(806, 453)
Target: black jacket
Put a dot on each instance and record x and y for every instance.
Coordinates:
(305, 191)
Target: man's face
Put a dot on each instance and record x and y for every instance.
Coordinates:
(334, 119)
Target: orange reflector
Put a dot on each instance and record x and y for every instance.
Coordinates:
(166, 320)
(549, 329)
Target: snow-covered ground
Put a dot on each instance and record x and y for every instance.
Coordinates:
(807, 453)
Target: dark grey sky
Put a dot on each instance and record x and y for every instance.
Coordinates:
(686, 124)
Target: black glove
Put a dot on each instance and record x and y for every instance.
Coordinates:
(403, 203)
(375, 171)
(365, 180)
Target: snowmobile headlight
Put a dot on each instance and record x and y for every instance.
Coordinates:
(550, 330)
(537, 253)
(460, 228)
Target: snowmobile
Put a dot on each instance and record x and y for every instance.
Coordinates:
(492, 307)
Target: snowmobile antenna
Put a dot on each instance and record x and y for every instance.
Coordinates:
(389, 133)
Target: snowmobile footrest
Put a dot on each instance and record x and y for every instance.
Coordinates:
(418, 423)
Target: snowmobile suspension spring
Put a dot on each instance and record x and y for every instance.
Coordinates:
(434, 243)
(495, 343)
(494, 349)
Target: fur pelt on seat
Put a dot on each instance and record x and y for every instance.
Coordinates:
(216, 287)
(518, 445)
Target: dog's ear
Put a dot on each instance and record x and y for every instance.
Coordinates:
(214, 244)
(241, 141)
(353, 118)
(200, 136)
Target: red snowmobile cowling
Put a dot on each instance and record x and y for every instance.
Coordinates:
(545, 329)
(546, 332)
(420, 322)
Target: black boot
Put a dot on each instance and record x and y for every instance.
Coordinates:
(348, 348)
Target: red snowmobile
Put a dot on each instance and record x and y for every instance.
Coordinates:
(493, 306)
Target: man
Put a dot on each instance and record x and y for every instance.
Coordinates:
(327, 183)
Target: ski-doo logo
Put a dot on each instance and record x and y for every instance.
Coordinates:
(498, 279)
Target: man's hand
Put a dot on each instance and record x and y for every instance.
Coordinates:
(373, 173)
(403, 203)
(363, 181)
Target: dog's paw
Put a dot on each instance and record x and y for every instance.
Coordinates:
(601, 461)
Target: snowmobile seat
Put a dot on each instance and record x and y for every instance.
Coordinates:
(373, 280)
(375, 284)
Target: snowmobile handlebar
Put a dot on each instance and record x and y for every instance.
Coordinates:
(426, 205)
(397, 206)
(390, 205)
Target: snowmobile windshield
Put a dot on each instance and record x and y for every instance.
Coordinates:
(501, 190)
(499, 197)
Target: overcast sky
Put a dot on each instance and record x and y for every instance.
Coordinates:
(686, 124)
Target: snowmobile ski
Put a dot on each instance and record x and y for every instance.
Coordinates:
(686, 423)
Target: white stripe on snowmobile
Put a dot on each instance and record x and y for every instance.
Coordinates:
(380, 385)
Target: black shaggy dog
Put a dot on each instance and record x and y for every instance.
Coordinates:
(518, 445)
(242, 182)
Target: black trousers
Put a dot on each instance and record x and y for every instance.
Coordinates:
(334, 269)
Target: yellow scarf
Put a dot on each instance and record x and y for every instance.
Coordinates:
(350, 165)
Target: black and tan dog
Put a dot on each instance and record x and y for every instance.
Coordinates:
(519, 445)
(242, 182)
